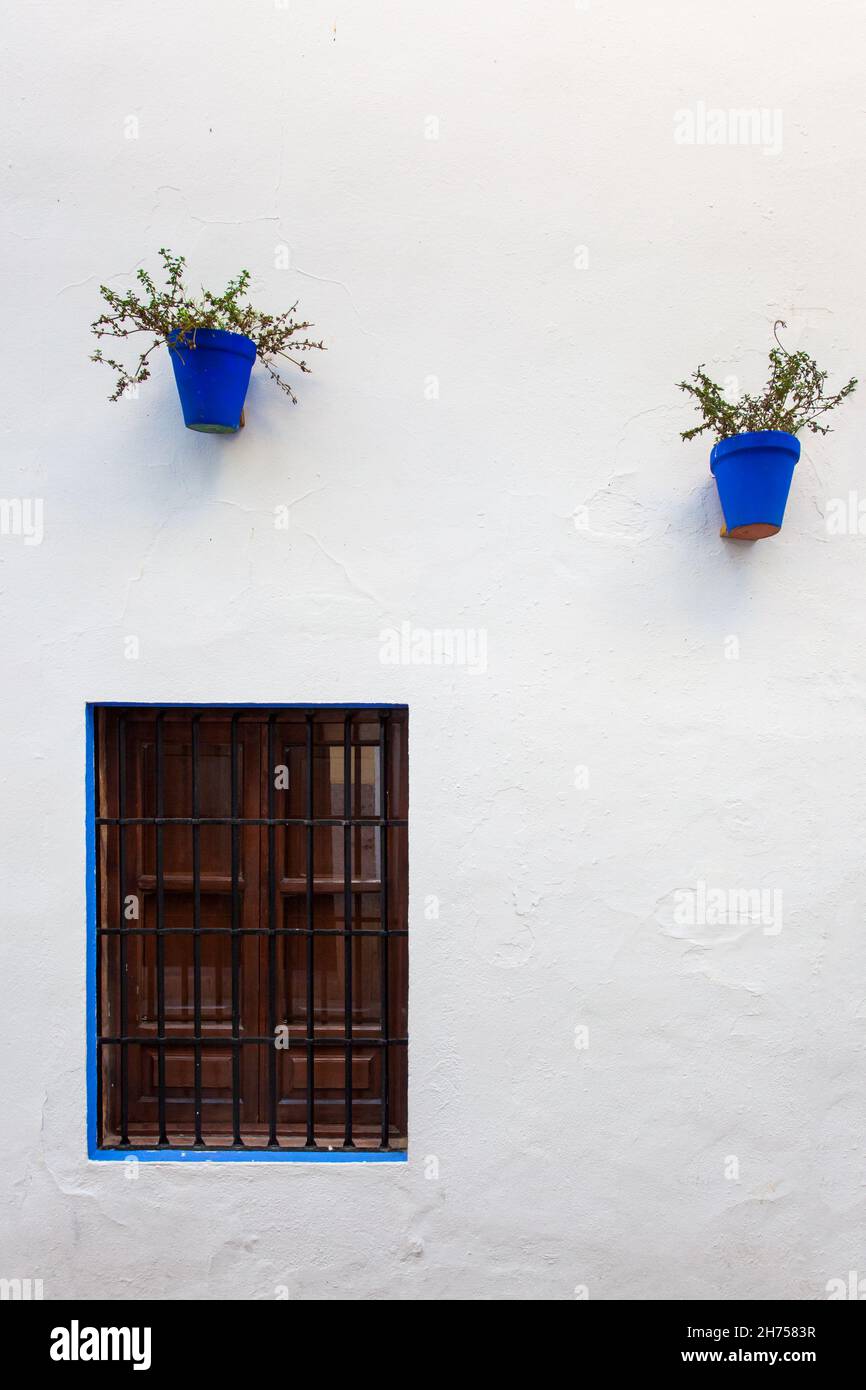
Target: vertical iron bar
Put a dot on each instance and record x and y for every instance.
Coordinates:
(311, 1004)
(121, 886)
(160, 924)
(237, 1142)
(272, 939)
(348, 1142)
(384, 736)
(196, 924)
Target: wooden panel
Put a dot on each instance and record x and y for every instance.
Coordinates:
(216, 1069)
(329, 1073)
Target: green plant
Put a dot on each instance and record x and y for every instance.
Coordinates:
(792, 399)
(171, 312)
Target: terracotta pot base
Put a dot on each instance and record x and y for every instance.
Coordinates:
(756, 531)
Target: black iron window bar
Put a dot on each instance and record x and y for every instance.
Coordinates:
(311, 1040)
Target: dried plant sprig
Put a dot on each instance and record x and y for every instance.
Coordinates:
(172, 313)
(792, 400)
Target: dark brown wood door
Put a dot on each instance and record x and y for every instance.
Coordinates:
(294, 969)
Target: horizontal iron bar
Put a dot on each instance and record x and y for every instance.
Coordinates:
(228, 1041)
(335, 932)
(250, 1151)
(247, 820)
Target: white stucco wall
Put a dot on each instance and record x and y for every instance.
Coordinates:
(556, 261)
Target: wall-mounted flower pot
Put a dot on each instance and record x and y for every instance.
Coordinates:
(753, 473)
(212, 370)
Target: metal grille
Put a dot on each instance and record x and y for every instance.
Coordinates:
(217, 1065)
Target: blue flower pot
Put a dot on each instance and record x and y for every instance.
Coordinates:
(753, 473)
(212, 370)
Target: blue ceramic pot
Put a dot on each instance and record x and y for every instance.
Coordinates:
(753, 473)
(212, 370)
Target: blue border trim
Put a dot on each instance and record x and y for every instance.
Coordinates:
(247, 1156)
(180, 1155)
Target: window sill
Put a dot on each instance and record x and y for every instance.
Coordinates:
(248, 1156)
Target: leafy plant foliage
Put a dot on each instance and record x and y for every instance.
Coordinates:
(171, 315)
(792, 400)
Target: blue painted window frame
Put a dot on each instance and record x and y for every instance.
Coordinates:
(94, 1152)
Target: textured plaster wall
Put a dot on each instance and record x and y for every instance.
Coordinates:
(512, 259)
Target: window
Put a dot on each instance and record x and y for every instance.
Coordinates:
(251, 914)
